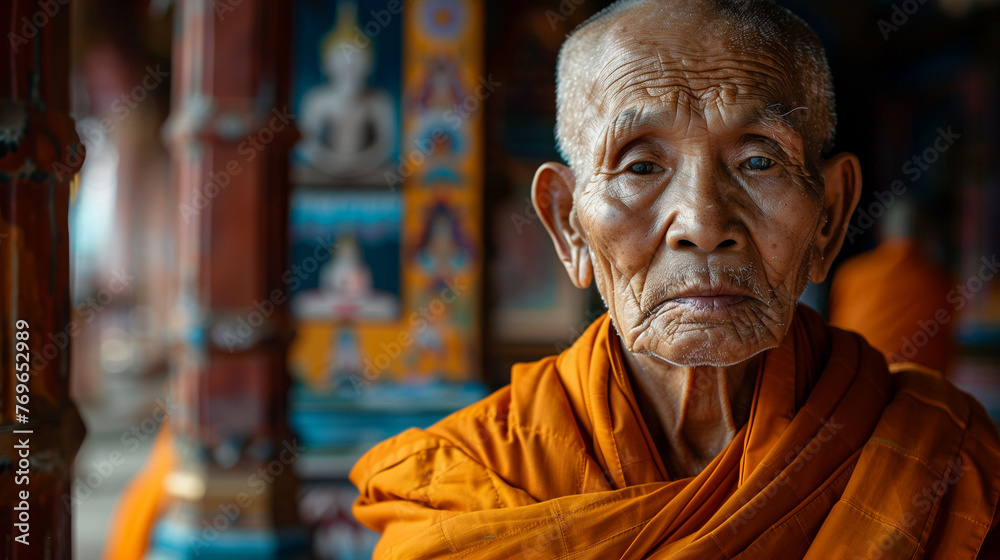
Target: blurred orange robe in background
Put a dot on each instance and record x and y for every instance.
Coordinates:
(141, 503)
(898, 301)
(840, 457)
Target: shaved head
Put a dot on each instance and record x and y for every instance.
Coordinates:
(802, 85)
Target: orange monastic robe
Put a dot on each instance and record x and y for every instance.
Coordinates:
(141, 503)
(839, 458)
(899, 302)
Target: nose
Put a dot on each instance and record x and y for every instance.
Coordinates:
(704, 212)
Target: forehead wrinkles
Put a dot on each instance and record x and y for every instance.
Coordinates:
(692, 77)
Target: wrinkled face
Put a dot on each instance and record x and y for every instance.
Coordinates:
(700, 209)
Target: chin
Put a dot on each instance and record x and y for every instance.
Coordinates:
(693, 343)
(706, 356)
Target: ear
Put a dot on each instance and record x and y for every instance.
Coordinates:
(552, 195)
(842, 176)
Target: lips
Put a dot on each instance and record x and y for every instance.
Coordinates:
(706, 299)
(710, 290)
(711, 302)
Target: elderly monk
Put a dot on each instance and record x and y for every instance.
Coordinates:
(705, 415)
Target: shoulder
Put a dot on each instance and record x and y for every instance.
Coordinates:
(930, 395)
(431, 468)
(504, 437)
(444, 440)
(950, 431)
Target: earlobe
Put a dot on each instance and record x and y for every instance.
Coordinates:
(842, 178)
(584, 268)
(552, 194)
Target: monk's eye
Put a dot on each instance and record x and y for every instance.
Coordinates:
(644, 168)
(757, 163)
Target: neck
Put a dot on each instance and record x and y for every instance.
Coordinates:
(692, 412)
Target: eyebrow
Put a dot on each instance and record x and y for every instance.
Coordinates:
(778, 114)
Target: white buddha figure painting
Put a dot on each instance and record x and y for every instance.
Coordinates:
(348, 126)
(344, 359)
(345, 289)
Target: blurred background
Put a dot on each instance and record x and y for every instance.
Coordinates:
(303, 227)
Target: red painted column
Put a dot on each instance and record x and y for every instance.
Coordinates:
(40, 155)
(233, 494)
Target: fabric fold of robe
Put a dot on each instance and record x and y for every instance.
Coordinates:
(840, 458)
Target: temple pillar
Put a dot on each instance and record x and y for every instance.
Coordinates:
(233, 493)
(40, 156)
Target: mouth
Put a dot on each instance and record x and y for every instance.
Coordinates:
(705, 300)
(710, 302)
